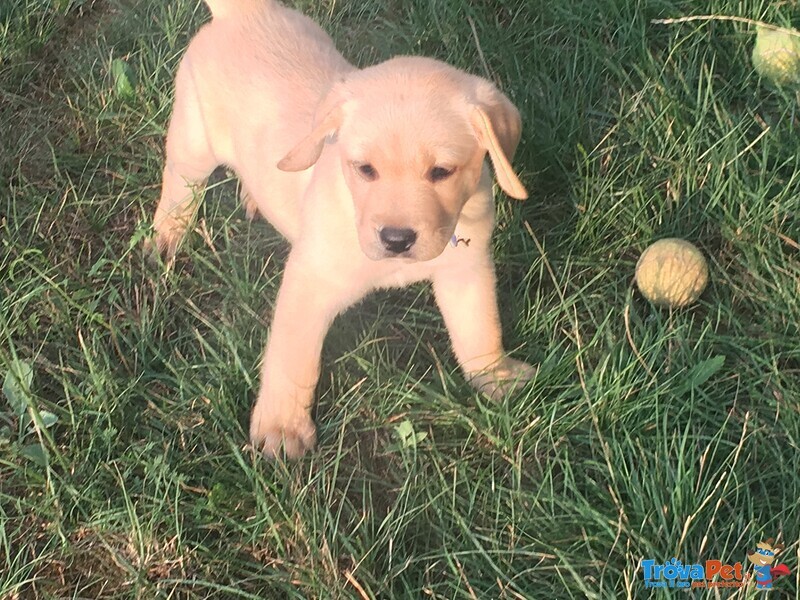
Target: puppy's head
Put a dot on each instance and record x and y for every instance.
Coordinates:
(412, 135)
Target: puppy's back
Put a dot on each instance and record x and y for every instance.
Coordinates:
(225, 8)
(263, 38)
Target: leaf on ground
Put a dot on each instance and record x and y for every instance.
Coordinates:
(408, 437)
(124, 78)
(48, 420)
(35, 453)
(704, 371)
(405, 431)
(17, 386)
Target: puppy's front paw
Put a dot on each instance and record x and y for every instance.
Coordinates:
(502, 378)
(163, 244)
(276, 437)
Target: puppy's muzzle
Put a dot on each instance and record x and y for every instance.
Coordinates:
(397, 240)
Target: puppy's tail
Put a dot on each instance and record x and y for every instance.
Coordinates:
(225, 8)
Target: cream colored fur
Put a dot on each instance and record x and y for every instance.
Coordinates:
(336, 158)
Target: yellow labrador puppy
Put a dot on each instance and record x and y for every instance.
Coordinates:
(377, 178)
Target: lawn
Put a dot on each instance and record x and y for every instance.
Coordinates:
(646, 434)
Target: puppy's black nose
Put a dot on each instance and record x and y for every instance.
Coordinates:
(396, 239)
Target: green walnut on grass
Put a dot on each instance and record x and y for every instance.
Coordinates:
(671, 273)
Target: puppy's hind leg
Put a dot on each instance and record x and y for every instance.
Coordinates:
(189, 161)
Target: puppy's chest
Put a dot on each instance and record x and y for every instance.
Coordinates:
(402, 276)
(397, 273)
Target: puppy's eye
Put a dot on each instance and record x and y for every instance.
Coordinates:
(437, 174)
(367, 171)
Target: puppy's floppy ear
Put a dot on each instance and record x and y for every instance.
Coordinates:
(308, 150)
(498, 127)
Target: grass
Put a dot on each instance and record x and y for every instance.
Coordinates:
(647, 433)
